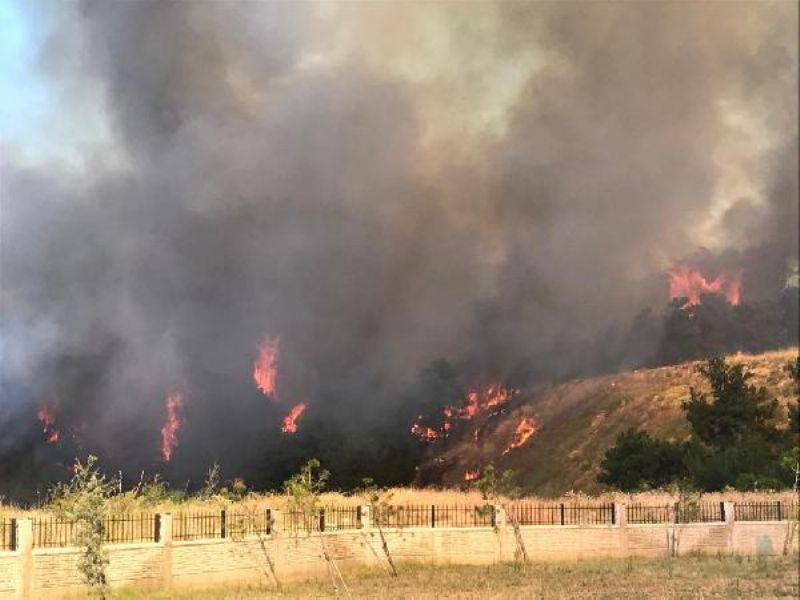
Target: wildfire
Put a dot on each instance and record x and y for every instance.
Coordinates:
(494, 396)
(47, 417)
(173, 404)
(424, 433)
(471, 475)
(290, 420)
(265, 368)
(526, 428)
(685, 282)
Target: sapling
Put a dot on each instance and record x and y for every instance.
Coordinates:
(494, 491)
(85, 501)
(381, 510)
(303, 490)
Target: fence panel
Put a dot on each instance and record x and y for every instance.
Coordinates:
(703, 512)
(536, 514)
(130, 529)
(599, 514)
(197, 526)
(7, 534)
(242, 524)
(341, 518)
(765, 511)
(640, 514)
(462, 516)
(399, 516)
(54, 532)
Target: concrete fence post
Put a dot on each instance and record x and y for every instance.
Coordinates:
(730, 514)
(620, 514)
(500, 516)
(23, 543)
(277, 522)
(366, 517)
(165, 540)
(621, 523)
(500, 521)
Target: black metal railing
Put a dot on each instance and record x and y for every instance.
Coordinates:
(535, 514)
(130, 529)
(644, 514)
(701, 512)
(564, 514)
(765, 511)
(462, 516)
(399, 516)
(7, 534)
(242, 524)
(56, 532)
(340, 518)
(198, 525)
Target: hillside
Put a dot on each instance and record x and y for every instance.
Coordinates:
(578, 420)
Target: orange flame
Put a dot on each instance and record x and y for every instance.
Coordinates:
(685, 282)
(471, 475)
(424, 433)
(493, 396)
(265, 368)
(169, 432)
(47, 417)
(290, 420)
(526, 428)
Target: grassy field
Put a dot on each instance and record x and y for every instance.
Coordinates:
(685, 577)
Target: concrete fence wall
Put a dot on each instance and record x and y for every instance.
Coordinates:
(29, 572)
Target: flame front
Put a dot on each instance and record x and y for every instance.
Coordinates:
(290, 420)
(47, 417)
(169, 432)
(491, 399)
(265, 368)
(685, 282)
(526, 428)
(471, 475)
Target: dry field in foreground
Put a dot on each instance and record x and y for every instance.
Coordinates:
(685, 577)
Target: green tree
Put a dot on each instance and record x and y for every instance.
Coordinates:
(85, 500)
(735, 411)
(735, 440)
(638, 461)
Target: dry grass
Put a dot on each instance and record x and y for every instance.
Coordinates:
(685, 577)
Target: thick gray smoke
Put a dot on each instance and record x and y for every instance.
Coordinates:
(379, 186)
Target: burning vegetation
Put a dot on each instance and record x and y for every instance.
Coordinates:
(173, 405)
(686, 282)
(290, 420)
(524, 431)
(265, 368)
(47, 417)
(488, 401)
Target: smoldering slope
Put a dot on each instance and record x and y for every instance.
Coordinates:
(379, 186)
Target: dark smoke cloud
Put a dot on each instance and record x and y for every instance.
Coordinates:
(379, 186)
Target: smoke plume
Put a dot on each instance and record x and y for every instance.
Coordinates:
(377, 186)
